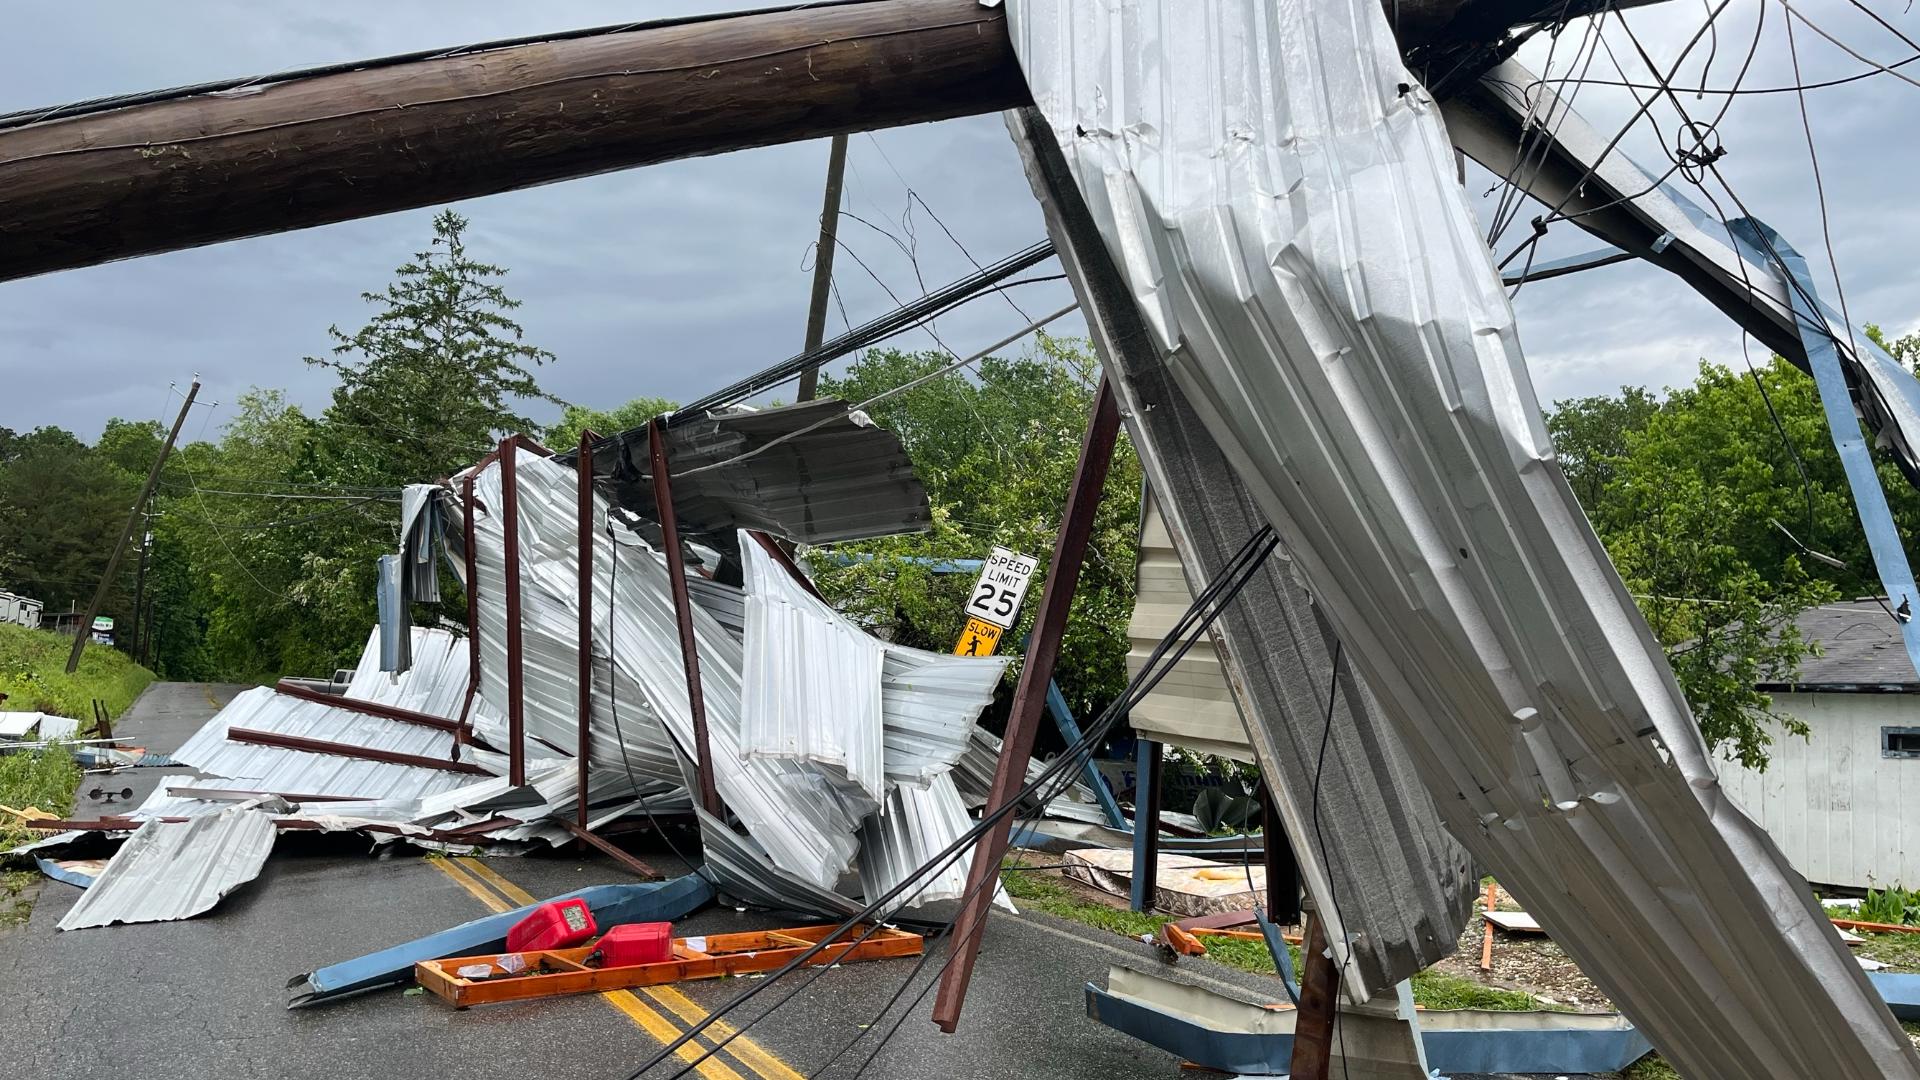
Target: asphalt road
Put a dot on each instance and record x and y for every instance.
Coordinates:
(206, 997)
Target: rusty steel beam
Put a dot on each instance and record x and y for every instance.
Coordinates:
(1030, 695)
(473, 611)
(682, 610)
(516, 670)
(367, 708)
(625, 858)
(584, 527)
(176, 172)
(1319, 1005)
(340, 749)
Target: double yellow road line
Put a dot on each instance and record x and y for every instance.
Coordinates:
(499, 894)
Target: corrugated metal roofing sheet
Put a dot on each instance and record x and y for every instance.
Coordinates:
(273, 768)
(811, 686)
(913, 826)
(175, 870)
(844, 480)
(1300, 253)
(930, 702)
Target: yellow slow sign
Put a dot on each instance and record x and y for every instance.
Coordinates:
(980, 638)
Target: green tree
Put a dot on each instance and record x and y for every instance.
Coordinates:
(997, 453)
(66, 508)
(574, 419)
(1711, 504)
(1590, 434)
(436, 377)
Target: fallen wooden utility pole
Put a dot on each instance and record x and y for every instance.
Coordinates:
(174, 173)
(160, 171)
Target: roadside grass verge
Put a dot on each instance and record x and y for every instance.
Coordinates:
(45, 779)
(33, 675)
(1432, 989)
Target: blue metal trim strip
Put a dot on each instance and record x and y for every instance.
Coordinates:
(1495, 1050)
(1070, 730)
(1823, 357)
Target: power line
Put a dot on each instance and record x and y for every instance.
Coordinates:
(904, 318)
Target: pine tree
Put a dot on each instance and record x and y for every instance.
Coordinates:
(437, 376)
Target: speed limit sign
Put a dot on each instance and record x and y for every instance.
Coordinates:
(1003, 584)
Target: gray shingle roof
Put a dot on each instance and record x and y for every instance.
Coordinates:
(1861, 643)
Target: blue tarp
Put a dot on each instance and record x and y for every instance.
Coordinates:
(653, 901)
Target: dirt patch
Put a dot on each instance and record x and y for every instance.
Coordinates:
(1531, 963)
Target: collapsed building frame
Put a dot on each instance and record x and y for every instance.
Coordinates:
(1537, 764)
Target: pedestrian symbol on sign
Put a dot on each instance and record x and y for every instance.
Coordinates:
(978, 639)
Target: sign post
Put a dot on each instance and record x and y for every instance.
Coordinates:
(994, 604)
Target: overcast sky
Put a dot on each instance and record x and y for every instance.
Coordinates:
(675, 279)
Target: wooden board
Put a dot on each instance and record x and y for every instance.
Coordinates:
(547, 973)
(1514, 922)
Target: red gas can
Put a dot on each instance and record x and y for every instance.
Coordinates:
(554, 925)
(636, 943)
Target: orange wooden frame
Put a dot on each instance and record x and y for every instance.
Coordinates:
(546, 973)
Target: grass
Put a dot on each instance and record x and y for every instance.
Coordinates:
(33, 675)
(1433, 989)
(1900, 951)
(16, 899)
(42, 778)
(1651, 1067)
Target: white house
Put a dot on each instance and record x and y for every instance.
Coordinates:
(1844, 802)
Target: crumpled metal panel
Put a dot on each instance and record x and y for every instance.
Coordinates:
(1403, 883)
(810, 688)
(176, 869)
(1192, 706)
(845, 479)
(623, 731)
(805, 822)
(435, 684)
(1299, 251)
(913, 826)
(741, 868)
(930, 703)
(273, 768)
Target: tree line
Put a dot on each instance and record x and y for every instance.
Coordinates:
(1722, 502)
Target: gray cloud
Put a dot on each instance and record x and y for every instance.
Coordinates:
(675, 279)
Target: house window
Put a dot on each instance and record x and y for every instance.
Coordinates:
(1900, 742)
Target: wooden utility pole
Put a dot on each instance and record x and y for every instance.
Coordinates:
(823, 262)
(135, 519)
(163, 171)
(179, 172)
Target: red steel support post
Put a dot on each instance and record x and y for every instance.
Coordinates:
(682, 609)
(516, 675)
(1030, 696)
(585, 463)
